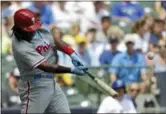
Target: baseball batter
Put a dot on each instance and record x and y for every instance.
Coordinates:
(34, 52)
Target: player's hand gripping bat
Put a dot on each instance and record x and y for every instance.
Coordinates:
(100, 83)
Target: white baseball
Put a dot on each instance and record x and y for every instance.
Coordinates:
(150, 55)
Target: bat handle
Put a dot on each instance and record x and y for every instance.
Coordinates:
(90, 74)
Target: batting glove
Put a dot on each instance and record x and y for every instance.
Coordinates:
(77, 71)
(78, 62)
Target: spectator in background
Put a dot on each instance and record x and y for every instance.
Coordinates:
(7, 15)
(144, 88)
(83, 12)
(101, 34)
(118, 104)
(163, 4)
(94, 47)
(127, 11)
(149, 20)
(90, 34)
(100, 10)
(10, 8)
(63, 17)
(156, 35)
(160, 58)
(5, 4)
(64, 80)
(114, 35)
(26, 4)
(107, 55)
(123, 64)
(145, 99)
(133, 91)
(76, 32)
(100, 41)
(160, 7)
(46, 13)
(10, 96)
(143, 28)
(6, 41)
(115, 31)
(160, 71)
(82, 50)
(142, 40)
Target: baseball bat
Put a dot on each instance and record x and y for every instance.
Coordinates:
(103, 85)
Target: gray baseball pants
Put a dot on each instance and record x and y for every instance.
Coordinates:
(42, 96)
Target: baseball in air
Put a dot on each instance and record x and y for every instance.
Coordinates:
(150, 55)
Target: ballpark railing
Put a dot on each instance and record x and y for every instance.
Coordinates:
(87, 93)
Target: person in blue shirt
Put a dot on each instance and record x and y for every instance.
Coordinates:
(107, 55)
(127, 11)
(44, 10)
(122, 66)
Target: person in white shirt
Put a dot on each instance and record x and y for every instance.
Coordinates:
(100, 11)
(117, 104)
(110, 105)
(69, 12)
(64, 18)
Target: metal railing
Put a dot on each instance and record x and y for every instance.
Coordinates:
(87, 89)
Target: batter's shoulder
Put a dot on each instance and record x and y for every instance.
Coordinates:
(21, 45)
(18, 43)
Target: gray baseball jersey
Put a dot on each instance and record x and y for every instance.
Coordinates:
(28, 55)
(43, 95)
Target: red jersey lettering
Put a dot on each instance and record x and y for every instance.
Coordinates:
(42, 48)
(39, 49)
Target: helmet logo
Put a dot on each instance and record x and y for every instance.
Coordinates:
(33, 20)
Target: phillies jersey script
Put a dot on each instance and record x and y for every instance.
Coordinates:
(29, 55)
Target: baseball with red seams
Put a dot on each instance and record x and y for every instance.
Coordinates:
(150, 55)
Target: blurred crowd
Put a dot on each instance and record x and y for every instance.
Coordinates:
(132, 57)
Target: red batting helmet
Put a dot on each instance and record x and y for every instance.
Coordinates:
(26, 20)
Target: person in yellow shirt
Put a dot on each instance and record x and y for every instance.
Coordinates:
(64, 79)
(6, 42)
(75, 32)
